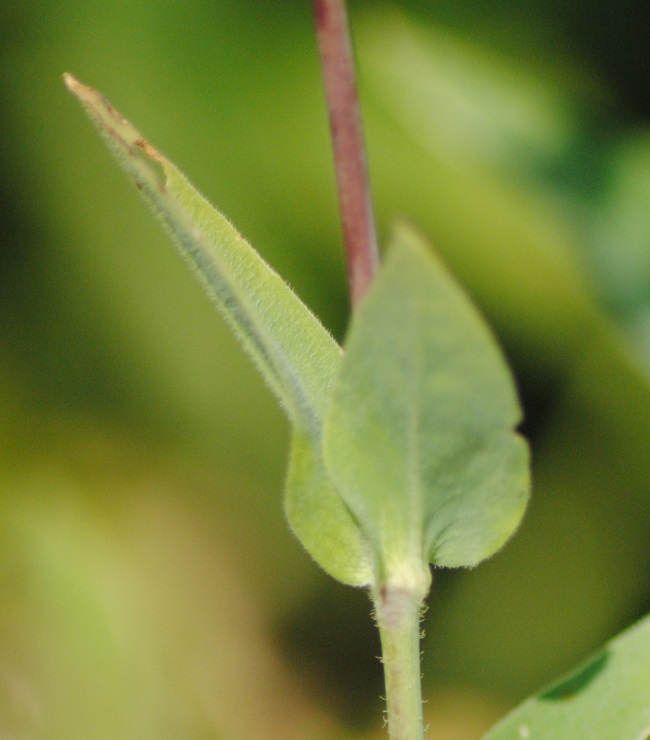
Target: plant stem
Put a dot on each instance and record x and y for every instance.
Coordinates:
(355, 202)
(398, 611)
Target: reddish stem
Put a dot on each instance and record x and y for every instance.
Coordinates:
(359, 234)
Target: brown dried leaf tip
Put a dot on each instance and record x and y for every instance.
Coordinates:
(92, 99)
(119, 129)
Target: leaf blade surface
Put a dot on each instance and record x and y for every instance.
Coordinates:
(419, 436)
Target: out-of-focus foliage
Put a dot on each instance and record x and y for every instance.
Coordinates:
(149, 584)
(606, 697)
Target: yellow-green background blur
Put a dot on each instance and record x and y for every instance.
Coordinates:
(149, 587)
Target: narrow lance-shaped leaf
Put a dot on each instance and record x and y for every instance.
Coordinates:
(292, 350)
(295, 354)
(607, 697)
(419, 438)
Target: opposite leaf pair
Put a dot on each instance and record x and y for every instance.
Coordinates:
(403, 446)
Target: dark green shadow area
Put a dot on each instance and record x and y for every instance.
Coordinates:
(572, 686)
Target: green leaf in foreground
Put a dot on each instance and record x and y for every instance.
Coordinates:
(292, 350)
(419, 438)
(607, 698)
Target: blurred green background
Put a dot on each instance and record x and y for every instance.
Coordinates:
(149, 587)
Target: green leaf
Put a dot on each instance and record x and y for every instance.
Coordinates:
(607, 697)
(316, 511)
(419, 436)
(292, 350)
